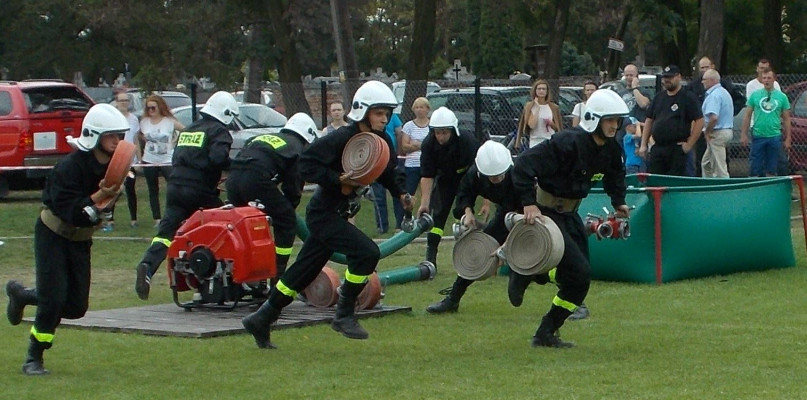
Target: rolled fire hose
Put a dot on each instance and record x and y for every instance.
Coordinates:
(474, 255)
(389, 246)
(119, 166)
(366, 155)
(322, 291)
(532, 249)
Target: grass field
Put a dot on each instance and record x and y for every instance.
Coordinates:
(742, 336)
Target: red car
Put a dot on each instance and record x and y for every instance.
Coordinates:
(36, 116)
(797, 94)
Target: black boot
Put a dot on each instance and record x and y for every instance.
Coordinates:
(18, 298)
(432, 244)
(34, 363)
(259, 324)
(345, 320)
(451, 303)
(516, 286)
(143, 281)
(547, 336)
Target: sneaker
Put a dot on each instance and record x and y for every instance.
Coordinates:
(447, 305)
(580, 313)
(143, 281)
(34, 367)
(550, 340)
(108, 227)
(133, 224)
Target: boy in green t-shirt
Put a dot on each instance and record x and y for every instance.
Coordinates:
(770, 110)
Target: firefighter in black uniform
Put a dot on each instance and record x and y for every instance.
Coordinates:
(63, 233)
(445, 157)
(564, 168)
(490, 178)
(202, 152)
(327, 214)
(265, 163)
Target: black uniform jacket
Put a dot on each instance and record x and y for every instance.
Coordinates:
(474, 184)
(450, 160)
(201, 153)
(69, 187)
(275, 157)
(568, 165)
(321, 163)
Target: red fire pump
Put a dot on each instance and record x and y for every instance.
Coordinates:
(225, 255)
(607, 227)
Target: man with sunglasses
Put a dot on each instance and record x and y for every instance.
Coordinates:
(201, 154)
(769, 109)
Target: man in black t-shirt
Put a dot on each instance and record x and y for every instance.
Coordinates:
(675, 121)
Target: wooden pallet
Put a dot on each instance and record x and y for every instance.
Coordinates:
(171, 320)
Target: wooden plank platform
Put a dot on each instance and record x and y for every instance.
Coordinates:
(171, 320)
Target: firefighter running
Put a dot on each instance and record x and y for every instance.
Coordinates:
(326, 217)
(565, 167)
(202, 152)
(63, 233)
(266, 163)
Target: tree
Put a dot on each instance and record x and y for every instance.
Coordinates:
(711, 33)
(343, 35)
(556, 42)
(420, 54)
(772, 32)
(615, 57)
(500, 47)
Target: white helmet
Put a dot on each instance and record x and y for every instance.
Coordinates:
(221, 106)
(100, 120)
(602, 103)
(303, 126)
(444, 118)
(371, 94)
(493, 158)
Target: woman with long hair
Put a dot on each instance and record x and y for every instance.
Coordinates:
(156, 139)
(541, 117)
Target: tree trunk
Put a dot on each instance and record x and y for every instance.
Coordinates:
(615, 57)
(772, 33)
(556, 45)
(710, 38)
(420, 54)
(345, 54)
(255, 62)
(289, 69)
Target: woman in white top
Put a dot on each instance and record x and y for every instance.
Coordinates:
(588, 89)
(540, 117)
(337, 111)
(156, 139)
(414, 132)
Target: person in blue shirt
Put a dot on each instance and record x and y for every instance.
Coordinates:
(718, 126)
(630, 142)
(393, 130)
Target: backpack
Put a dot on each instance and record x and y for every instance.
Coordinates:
(737, 96)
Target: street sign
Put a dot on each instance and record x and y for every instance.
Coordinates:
(615, 44)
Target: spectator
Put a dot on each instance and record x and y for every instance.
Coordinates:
(769, 109)
(698, 87)
(122, 102)
(718, 116)
(337, 111)
(633, 137)
(632, 94)
(393, 131)
(674, 120)
(540, 117)
(588, 88)
(156, 140)
(414, 132)
(756, 84)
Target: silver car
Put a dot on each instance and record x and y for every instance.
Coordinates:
(253, 120)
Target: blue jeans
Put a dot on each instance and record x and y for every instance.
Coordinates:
(765, 152)
(380, 207)
(412, 179)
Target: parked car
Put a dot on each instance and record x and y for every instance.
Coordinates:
(501, 107)
(253, 120)
(399, 88)
(137, 99)
(36, 116)
(569, 97)
(267, 97)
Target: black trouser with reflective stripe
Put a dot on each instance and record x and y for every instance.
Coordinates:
(181, 203)
(329, 233)
(244, 186)
(573, 273)
(62, 280)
